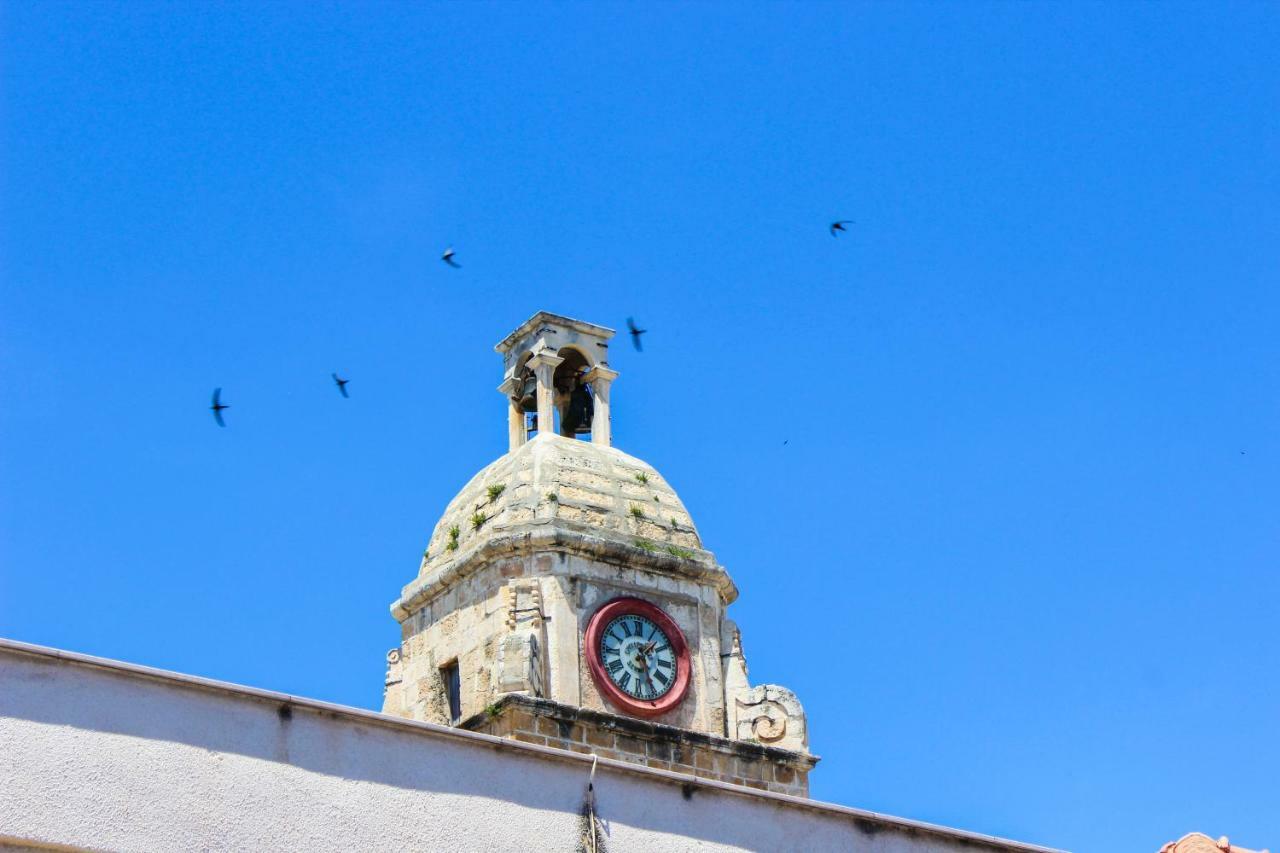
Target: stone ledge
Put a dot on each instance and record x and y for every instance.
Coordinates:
(654, 745)
(542, 317)
(560, 536)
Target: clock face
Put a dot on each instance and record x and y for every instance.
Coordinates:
(638, 657)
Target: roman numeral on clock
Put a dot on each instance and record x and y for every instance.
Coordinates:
(637, 658)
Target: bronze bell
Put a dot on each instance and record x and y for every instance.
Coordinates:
(529, 394)
(577, 417)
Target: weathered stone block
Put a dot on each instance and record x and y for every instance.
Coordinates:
(569, 731)
(630, 745)
(546, 726)
(599, 738)
(529, 737)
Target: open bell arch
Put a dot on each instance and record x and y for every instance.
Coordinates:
(557, 369)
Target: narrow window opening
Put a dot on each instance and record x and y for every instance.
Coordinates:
(452, 689)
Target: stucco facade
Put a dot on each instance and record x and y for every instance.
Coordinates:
(99, 755)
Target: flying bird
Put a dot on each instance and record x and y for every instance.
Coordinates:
(840, 226)
(341, 383)
(635, 334)
(217, 407)
(447, 257)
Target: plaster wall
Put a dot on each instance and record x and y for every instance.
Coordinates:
(96, 754)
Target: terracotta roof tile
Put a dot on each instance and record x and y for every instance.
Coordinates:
(1198, 842)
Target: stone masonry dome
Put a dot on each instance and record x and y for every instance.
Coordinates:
(556, 482)
(574, 495)
(555, 493)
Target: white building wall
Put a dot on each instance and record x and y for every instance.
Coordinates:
(100, 755)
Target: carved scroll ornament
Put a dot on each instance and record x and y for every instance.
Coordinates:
(771, 715)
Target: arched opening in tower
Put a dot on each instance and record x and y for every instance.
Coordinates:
(575, 406)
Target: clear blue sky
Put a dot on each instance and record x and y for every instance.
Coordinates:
(1019, 557)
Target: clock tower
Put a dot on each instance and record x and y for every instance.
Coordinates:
(565, 597)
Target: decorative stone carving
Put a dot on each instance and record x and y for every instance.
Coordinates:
(771, 715)
(768, 714)
(394, 675)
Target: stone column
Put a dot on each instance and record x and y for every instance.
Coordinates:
(544, 366)
(600, 378)
(515, 418)
(561, 403)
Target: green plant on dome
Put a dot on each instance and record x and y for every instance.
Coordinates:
(495, 490)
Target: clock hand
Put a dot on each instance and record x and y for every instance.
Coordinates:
(649, 681)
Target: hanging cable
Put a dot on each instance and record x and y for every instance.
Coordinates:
(591, 800)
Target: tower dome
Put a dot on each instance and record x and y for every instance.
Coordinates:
(576, 494)
(566, 595)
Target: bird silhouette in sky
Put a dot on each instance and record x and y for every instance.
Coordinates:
(635, 334)
(218, 406)
(447, 257)
(837, 227)
(341, 383)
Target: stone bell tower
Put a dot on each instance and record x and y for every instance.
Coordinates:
(565, 596)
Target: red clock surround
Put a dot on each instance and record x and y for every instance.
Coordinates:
(680, 649)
